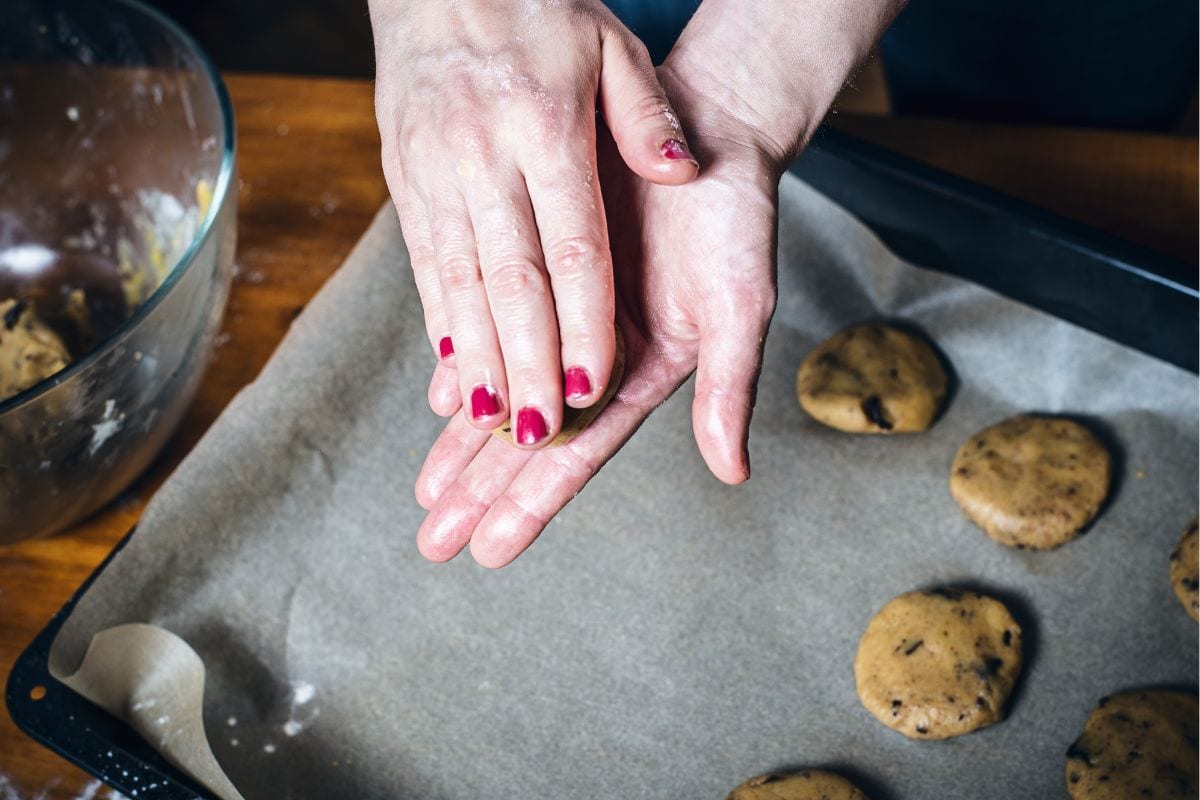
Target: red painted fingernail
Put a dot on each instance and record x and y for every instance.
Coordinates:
(446, 347)
(484, 402)
(531, 426)
(576, 384)
(675, 150)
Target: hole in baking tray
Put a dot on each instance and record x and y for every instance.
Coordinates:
(37, 693)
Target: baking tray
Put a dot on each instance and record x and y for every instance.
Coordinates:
(928, 217)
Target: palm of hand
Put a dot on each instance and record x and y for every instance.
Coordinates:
(694, 273)
(694, 268)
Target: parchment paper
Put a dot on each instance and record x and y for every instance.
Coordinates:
(668, 636)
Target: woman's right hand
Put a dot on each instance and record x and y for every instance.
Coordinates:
(487, 117)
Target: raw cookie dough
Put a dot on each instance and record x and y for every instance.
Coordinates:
(29, 349)
(872, 379)
(1185, 571)
(811, 784)
(1031, 482)
(1136, 744)
(576, 420)
(939, 663)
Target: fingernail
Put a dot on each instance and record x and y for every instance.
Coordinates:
(484, 402)
(531, 426)
(675, 150)
(576, 384)
(446, 347)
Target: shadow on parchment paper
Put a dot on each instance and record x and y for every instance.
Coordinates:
(252, 692)
(252, 688)
(1022, 610)
(870, 785)
(313, 775)
(1191, 688)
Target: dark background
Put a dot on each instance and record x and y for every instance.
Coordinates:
(300, 37)
(1118, 64)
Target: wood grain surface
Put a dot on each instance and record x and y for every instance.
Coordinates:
(309, 185)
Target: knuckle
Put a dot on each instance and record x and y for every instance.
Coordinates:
(460, 272)
(464, 130)
(549, 115)
(573, 465)
(747, 295)
(650, 107)
(576, 256)
(420, 253)
(590, 338)
(523, 366)
(516, 278)
(408, 139)
(524, 523)
(631, 46)
(761, 302)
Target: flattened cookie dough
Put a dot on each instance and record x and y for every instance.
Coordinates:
(1185, 571)
(576, 420)
(1136, 744)
(1031, 482)
(938, 664)
(811, 784)
(872, 379)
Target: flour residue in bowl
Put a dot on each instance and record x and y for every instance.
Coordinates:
(59, 300)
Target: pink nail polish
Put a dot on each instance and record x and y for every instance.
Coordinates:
(531, 426)
(446, 347)
(675, 150)
(484, 402)
(576, 384)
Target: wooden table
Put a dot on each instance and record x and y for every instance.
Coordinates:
(310, 183)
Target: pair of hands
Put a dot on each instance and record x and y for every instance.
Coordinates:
(512, 199)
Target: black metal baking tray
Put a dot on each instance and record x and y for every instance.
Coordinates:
(1120, 290)
(1082, 275)
(83, 733)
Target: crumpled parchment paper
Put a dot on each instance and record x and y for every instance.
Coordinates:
(668, 636)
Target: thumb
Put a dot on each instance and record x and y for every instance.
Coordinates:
(635, 107)
(726, 382)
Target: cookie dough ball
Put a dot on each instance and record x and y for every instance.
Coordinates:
(1185, 571)
(576, 420)
(29, 349)
(1031, 482)
(938, 664)
(1136, 744)
(872, 379)
(811, 784)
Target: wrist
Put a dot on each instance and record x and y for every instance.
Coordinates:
(773, 66)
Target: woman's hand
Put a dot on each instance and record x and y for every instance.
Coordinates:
(695, 291)
(488, 120)
(694, 268)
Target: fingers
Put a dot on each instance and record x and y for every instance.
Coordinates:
(645, 127)
(503, 500)
(449, 456)
(515, 517)
(730, 358)
(574, 240)
(444, 397)
(418, 238)
(478, 361)
(522, 307)
(482, 469)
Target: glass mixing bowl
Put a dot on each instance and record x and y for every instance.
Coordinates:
(117, 228)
